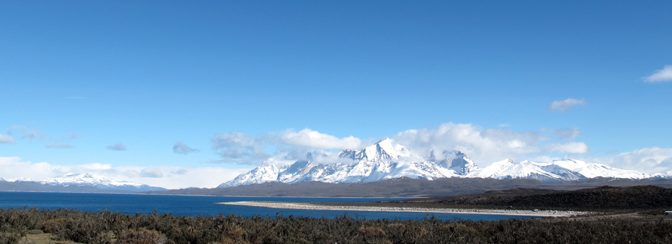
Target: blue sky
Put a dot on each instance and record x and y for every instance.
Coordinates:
(81, 76)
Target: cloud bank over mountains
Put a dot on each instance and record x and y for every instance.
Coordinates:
(649, 160)
(314, 139)
(237, 152)
(482, 144)
(15, 168)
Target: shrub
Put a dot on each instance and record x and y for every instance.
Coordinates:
(109, 228)
(142, 236)
(9, 237)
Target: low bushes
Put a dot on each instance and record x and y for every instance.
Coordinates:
(105, 227)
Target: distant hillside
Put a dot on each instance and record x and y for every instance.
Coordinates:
(606, 197)
(405, 187)
(32, 186)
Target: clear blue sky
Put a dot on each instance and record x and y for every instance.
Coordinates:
(148, 74)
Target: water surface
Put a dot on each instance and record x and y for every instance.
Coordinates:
(206, 206)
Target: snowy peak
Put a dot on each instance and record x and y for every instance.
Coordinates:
(454, 160)
(261, 174)
(592, 170)
(87, 179)
(86, 182)
(384, 159)
(348, 154)
(527, 169)
(566, 169)
(383, 150)
(296, 171)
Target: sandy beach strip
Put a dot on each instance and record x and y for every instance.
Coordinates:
(311, 206)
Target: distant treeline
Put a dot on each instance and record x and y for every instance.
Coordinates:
(105, 227)
(602, 198)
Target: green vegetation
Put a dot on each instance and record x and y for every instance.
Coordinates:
(633, 215)
(106, 227)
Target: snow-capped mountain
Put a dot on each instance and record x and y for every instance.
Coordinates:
(387, 160)
(86, 179)
(592, 170)
(382, 160)
(261, 174)
(76, 182)
(508, 169)
(566, 169)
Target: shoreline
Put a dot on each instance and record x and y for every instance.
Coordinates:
(311, 206)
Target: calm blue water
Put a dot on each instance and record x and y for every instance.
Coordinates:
(206, 206)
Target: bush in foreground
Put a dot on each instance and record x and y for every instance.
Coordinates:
(105, 227)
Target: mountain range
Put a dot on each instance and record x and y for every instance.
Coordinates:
(388, 160)
(380, 162)
(77, 182)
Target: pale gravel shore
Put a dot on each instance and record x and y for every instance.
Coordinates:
(310, 206)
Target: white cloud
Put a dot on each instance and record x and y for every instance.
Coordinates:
(58, 146)
(568, 133)
(571, 148)
(24, 132)
(21, 132)
(27, 133)
(182, 148)
(117, 147)
(483, 145)
(6, 139)
(96, 166)
(661, 75)
(14, 168)
(314, 139)
(566, 104)
(237, 147)
(151, 172)
(286, 146)
(651, 160)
